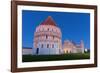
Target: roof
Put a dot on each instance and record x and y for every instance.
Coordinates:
(48, 21)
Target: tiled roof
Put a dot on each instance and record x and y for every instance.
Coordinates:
(48, 21)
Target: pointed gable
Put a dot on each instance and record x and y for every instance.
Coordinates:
(48, 21)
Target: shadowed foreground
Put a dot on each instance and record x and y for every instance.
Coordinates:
(33, 58)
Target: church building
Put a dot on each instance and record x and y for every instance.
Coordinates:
(47, 38)
(72, 47)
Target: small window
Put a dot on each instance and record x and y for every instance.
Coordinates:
(46, 37)
(48, 29)
(53, 37)
(67, 51)
(42, 46)
(47, 45)
(52, 45)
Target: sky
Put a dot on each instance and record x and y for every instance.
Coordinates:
(74, 26)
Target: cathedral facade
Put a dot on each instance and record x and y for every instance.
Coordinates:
(72, 47)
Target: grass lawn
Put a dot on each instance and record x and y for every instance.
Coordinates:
(31, 58)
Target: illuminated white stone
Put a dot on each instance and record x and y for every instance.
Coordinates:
(71, 47)
(47, 38)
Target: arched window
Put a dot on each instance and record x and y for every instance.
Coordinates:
(42, 46)
(66, 51)
(48, 29)
(53, 37)
(52, 45)
(46, 37)
(47, 45)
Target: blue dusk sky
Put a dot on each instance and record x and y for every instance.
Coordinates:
(74, 26)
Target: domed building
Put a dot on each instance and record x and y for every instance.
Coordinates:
(47, 38)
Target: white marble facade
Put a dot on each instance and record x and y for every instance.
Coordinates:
(72, 47)
(47, 38)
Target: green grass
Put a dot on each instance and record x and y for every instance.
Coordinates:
(78, 56)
